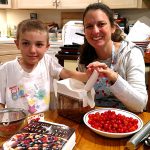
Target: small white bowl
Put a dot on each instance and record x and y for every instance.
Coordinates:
(117, 111)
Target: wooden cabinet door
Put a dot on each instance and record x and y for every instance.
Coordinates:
(36, 4)
(5, 4)
(8, 52)
(121, 3)
(73, 4)
(53, 4)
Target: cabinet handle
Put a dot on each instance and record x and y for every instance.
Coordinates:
(58, 2)
(54, 2)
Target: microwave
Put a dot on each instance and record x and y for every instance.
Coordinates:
(72, 33)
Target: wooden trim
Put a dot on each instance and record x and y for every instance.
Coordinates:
(148, 103)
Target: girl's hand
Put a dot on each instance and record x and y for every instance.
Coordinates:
(103, 70)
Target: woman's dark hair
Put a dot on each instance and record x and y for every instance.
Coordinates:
(87, 52)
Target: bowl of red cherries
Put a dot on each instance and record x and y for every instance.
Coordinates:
(113, 123)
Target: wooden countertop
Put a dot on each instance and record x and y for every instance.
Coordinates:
(8, 49)
(87, 139)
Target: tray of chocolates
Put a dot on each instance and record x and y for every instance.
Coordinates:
(42, 135)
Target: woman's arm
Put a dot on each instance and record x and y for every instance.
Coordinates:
(129, 85)
(81, 76)
(2, 86)
(132, 90)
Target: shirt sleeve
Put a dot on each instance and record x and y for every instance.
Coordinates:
(132, 91)
(55, 67)
(2, 84)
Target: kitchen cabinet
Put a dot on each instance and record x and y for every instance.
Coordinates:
(8, 52)
(122, 4)
(35, 4)
(5, 4)
(74, 4)
(71, 4)
(53, 4)
(143, 3)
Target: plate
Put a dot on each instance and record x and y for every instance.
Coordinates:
(117, 111)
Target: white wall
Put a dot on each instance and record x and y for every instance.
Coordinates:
(13, 17)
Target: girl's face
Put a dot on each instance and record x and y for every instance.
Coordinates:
(33, 45)
(97, 28)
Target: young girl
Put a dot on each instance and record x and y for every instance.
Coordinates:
(27, 81)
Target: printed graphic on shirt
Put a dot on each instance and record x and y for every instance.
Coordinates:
(36, 95)
(17, 92)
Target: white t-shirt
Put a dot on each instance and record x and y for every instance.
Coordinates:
(30, 91)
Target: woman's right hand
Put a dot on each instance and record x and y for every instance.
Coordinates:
(103, 70)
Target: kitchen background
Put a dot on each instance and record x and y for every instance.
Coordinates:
(11, 18)
(62, 11)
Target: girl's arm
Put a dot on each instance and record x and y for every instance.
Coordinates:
(82, 76)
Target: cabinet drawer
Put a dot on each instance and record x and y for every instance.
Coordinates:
(5, 58)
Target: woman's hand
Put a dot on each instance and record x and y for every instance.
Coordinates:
(103, 70)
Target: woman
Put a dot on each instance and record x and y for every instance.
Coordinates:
(122, 82)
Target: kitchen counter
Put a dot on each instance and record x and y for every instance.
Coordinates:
(9, 51)
(5, 40)
(87, 139)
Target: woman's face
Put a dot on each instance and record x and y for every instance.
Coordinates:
(97, 28)
(33, 45)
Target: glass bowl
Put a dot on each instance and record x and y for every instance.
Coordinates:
(11, 120)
